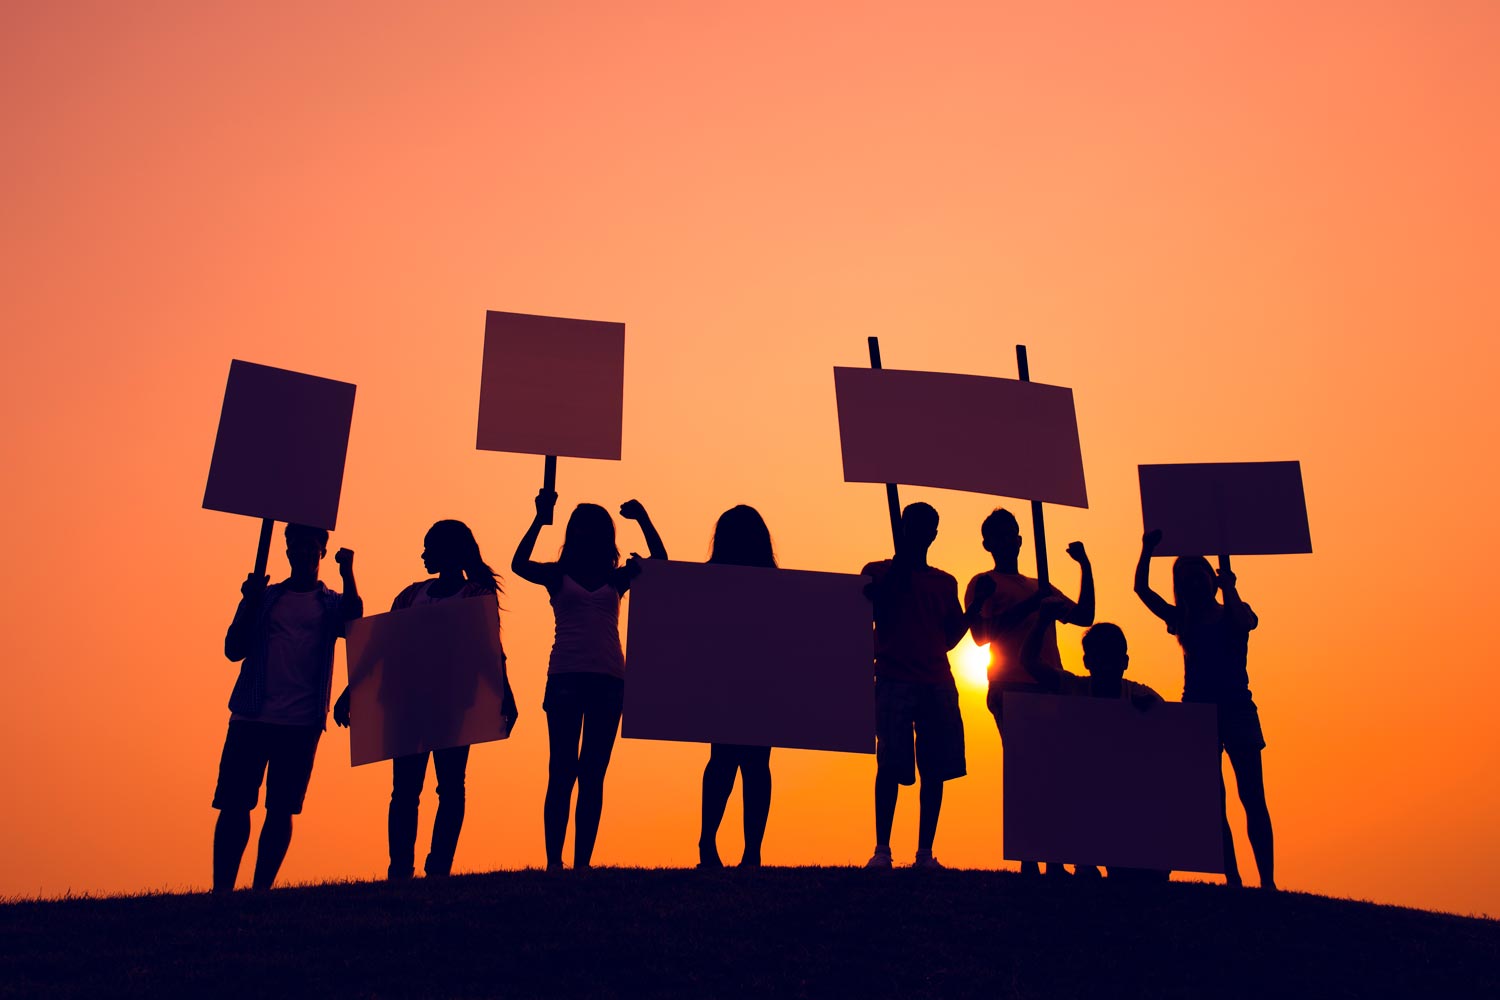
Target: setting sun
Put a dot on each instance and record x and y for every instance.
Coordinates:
(971, 663)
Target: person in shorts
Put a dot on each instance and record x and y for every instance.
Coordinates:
(918, 727)
(283, 636)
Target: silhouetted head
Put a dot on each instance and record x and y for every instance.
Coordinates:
(449, 547)
(305, 548)
(919, 525)
(741, 538)
(589, 541)
(1001, 534)
(1105, 654)
(1193, 580)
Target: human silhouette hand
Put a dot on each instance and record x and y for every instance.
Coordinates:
(1076, 552)
(633, 566)
(341, 710)
(546, 500)
(984, 588)
(1151, 539)
(345, 559)
(254, 586)
(633, 509)
(1226, 579)
(1144, 702)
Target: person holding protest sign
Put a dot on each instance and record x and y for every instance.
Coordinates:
(586, 671)
(449, 550)
(283, 635)
(741, 538)
(917, 722)
(1008, 614)
(1215, 640)
(1106, 657)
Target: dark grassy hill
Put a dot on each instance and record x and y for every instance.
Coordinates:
(779, 932)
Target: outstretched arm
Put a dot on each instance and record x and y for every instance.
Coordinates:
(1082, 613)
(1158, 605)
(521, 564)
(1234, 606)
(352, 605)
(237, 639)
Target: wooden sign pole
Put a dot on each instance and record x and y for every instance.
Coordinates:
(549, 478)
(892, 499)
(263, 550)
(1038, 524)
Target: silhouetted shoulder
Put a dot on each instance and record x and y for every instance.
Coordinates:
(875, 569)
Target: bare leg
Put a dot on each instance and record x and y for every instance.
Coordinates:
(931, 798)
(718, 784)
(1231, 865)
(1251, 782)
(885, 808)
(275, 838)
(231, 834)
(755, 777)
(599, 729)
(563, 728)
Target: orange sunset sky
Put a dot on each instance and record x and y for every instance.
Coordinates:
(1238, 231)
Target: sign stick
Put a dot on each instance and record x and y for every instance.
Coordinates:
(549, 477)
(263, 550)
(1038, 525)
(892, 499)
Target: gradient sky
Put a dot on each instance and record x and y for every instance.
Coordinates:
(1250, 232)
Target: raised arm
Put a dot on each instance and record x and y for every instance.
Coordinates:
(237, 639)
(1234, 606)
(521, 564)
(636, 511)
(352, 605)
(1157, 604)
(1082, 613)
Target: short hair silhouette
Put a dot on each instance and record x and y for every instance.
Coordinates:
(589, 540)
(307, 534)
(919, 523)
(741, 538)
(1104, 644)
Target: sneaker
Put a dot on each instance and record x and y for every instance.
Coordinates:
(880, 859)
(927, 862)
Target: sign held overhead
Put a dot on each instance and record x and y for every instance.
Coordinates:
(960, 432)
(280, 449)
(552, 386)
(1226, 508)
(749, 655)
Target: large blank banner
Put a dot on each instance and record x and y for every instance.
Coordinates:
(960, 432)
(552, 386)
(1097, 781)
(425, 678)
(280, 449)
(760, 657)
(1226, 508)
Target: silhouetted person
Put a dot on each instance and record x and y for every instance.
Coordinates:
(740, 539)
(586, 672)
(1106, 657)
(284, 634)
(449, 550)
(917, 721)
(1008, 613)
(1215, 640)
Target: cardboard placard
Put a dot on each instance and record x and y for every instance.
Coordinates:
(1097, 781)
(758, 657)
(1226, 508)
(425, 678)
(280, 449)
(960, 432)
(552, 386)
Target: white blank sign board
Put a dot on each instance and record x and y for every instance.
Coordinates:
(552, 386)
(425, 678)
(280, 449)
(741, 654)
(1226, 508)
(1097, 781)
(960, 432)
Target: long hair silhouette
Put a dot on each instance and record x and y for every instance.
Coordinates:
(456, 538)
(589, 542)
(741, 538)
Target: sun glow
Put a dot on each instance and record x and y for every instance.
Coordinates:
(970, 663)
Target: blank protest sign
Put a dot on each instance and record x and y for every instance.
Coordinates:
(425, 678)
(742, 654)
(1097, 781)
(960, 432)
(1226, 508)
(552, 386)
(280, 449)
